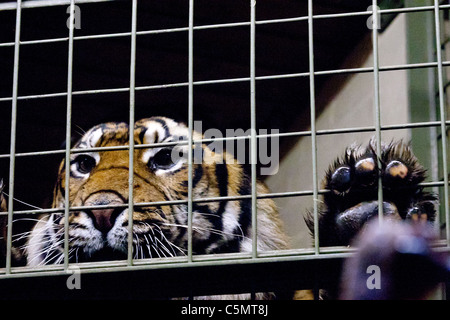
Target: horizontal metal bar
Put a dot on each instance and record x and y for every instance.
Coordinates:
(210, 260)
(175, 280)
(45, 3)
(273, 195)
(182, 261)
(233, 80)
(54, 3)
(237, 138)
(12, 6)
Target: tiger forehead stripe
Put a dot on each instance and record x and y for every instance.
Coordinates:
(146, 131)
(156, 131)
(101, 134)
(164, 126)
(91, 139)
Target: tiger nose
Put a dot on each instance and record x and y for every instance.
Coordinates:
(104, 218)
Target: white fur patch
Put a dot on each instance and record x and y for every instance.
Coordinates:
(94, 137)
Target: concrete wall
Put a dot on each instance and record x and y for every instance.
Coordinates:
(347, 103)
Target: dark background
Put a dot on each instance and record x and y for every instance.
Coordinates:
(221, 53)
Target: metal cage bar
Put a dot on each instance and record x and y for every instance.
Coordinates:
(253, 141)
(190, 124)
(443, 117)
(131, 132)
(12, 160)
(68, 136)
(312, 107)
(376, 99)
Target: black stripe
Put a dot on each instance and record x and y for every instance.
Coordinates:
(221, 171)
(222, 179)
(222, 182)
(245, 218)
(198, 174)
(164, 125)
(142, 134)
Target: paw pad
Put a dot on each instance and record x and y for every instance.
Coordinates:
(341, 180)
(417, 215)
(396, 170)
(366, 172)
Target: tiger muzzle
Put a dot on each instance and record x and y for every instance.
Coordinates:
(104, 218)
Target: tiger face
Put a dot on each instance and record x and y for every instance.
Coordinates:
(100, 179)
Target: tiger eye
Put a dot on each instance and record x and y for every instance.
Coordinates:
(85, 163)
(162, 160)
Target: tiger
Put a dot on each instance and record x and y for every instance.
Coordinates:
(101, 178)
(352, 197)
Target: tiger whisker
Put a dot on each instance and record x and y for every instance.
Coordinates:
(148, 246)
(61, 257)
(26, 234)
(161, 245)
(157, 251)
(23, 202)
(217, 216)
(215, 231)
(164, 247)
(48, 250)
(164, 238)
(53, 245)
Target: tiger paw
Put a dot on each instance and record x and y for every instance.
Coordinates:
(353, 181)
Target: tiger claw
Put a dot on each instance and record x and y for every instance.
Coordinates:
(417, 215)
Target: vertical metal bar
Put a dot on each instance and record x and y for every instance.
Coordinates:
(443, 118)
(190, 121)
(131, 132)
(432, 101)
(312, 105)
(377, 111)
(12, 153)
(68, 135)
(253, 150)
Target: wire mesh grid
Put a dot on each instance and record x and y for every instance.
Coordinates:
(191, 84)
